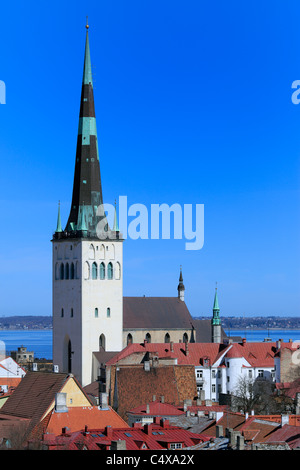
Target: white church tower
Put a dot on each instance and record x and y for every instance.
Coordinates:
(87, 260)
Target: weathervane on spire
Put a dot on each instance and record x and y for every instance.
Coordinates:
(87, 24)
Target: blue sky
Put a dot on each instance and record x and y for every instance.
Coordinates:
(193, 106)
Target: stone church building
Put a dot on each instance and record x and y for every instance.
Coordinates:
(90, 313)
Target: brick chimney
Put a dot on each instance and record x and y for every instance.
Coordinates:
(186, 349)
(171, 346)
(148, 428)
(108, 431)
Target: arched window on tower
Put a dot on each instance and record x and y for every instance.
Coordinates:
(148, 338)
(72, 271)
(94, 271)
(110, 271)
(185, 338)
(102, 342)
(117, 271)
(102, 271)
(62, 271)
(167, 338)
(129, 339)
(67, 271)
(102, 252)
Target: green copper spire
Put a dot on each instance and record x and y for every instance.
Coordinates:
(87, 70)
(216, 311)
(58, 226)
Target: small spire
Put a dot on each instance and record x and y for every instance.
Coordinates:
(116, 225)
(58, 226)
(216, 302)
(181, 287)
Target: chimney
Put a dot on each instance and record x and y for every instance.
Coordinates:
(171, 346)
(103, 401)
(108, 431)
(219, 430)
(148, 428)
(154, 398)
(240, 442)
(118, 445)
(186, 349)
(285, 420)
(162, 399)
(164, 423)
(244, 341)
(148, 409)
(61, 403)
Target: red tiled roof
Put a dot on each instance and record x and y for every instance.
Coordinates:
(150, 437)
(77, 417)
(156, 408)
(33, 396)
(288, 434)
(290, 388)
(258, 354)
(196, 351)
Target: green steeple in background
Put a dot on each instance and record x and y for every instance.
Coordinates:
(216, 311)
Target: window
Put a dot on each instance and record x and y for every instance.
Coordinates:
(199, 374)
(62, 312)
(260, 373)
(250, 373)
(213, 374)
(167, 338)
(213, 388)
(102, 271)
(148, 338)
(108, 312)
(96, 312)
(67, 271)
(94, 271)
(72, 271)
(129, 338)
(62, 271)
(118, 271)
(72, 313)
(185, 338)
(110, 271)
(102, 342)
(176, 445)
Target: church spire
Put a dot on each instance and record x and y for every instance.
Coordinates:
(216, 321)
(181, 287)
(87, 189)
